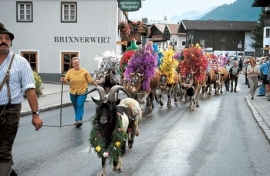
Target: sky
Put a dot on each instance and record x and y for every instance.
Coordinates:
(157, 9)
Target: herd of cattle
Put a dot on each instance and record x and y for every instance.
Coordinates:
(129, 110)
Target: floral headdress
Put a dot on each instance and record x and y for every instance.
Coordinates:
(194, 60)
(143, 61)
(159, 54)
(213, 61)
(168, 65)
(127, 56)
(109, 61)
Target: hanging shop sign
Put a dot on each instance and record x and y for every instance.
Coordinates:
(129, 5)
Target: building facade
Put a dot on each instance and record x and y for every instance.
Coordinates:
(166, 34)
(49, 33)
(218, 37)
(266, 29)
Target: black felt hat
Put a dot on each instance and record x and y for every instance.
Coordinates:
(3, 30)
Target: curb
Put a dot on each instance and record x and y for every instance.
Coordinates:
(260, 121)
(56, 106)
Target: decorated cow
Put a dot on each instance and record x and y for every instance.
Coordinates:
(107, 74)
(193, 69)
(142, 75)
(169, 77)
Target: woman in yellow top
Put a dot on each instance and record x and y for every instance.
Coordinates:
(252, 74)
(78, 78)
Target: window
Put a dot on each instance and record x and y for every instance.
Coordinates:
(267, 32)
(66, 60)
(223, 40)
(183, 43)
(24, 12)
(31, 57)
(69, 12)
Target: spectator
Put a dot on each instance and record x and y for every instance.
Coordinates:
(252, 73)
(234, 74)
(264, 69)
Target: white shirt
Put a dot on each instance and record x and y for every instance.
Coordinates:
(21, 78)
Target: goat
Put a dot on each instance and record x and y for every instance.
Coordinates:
(114, 120)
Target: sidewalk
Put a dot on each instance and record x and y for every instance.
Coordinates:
(259, 106)
(51, 98)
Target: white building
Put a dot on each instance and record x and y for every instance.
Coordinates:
(48, 33)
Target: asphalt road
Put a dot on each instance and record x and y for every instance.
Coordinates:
(218, 138)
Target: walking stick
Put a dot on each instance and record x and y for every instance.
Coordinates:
(62, 84)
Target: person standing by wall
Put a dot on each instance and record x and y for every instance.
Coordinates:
(253, 72)
(78, 78)
(264, 69)
(16, 78)
(234, 74)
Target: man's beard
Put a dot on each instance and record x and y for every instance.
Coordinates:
(4, 50)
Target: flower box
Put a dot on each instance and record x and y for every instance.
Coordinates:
(131, 30)
(131, 36)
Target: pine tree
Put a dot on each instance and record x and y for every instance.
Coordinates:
(258, 33)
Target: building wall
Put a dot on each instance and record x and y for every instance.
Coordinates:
(225, 41)
(94, 19)
(266, 39)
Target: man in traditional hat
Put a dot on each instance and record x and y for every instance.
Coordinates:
(16, 79)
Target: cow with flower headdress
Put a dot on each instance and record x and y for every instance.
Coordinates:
(169, 77)
(107, 74)
(142, 75)
(212, 75)
(194, 69)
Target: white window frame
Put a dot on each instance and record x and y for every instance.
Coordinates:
(267, 33)
(26, 13)
(69, 12)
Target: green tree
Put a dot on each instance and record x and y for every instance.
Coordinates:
(258, 33)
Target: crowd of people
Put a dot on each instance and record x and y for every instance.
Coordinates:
(257, 75)
(256, 71)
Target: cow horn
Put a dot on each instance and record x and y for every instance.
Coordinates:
(114, 89)
(100, 90)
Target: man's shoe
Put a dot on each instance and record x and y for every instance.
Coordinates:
(252, 98)
(231, 91)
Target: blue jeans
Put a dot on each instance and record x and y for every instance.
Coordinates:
(78, 105)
